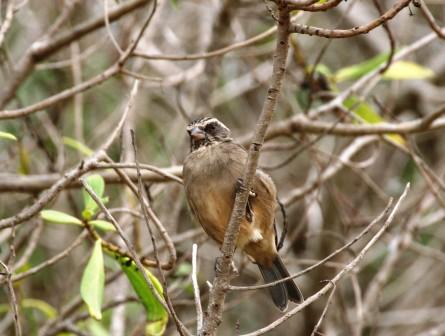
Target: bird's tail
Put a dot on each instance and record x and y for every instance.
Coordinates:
(281, 292)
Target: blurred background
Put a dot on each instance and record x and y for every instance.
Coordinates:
(331, 186)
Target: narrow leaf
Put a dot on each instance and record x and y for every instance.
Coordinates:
(73, 143)
(97, 183)
(407, 70)
(154, 309)
(96, 328)
(55, 216)
(48, 310)
(24, 160)
(92, 283)
(7, 136)
(102, 224)
(370, 116)
(156, 328)
(358, 70)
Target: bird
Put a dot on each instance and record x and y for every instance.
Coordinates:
(212, 173)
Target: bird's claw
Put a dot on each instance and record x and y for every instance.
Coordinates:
(218, 267)
(240, 186)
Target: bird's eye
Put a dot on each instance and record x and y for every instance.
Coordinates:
(210, 127)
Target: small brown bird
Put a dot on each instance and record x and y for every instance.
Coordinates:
(211, 174)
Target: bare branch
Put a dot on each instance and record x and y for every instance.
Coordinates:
(223, 276)
(197, 295)
(12, 299)
(344, 33)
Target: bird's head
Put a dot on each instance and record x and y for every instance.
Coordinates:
(207, 131)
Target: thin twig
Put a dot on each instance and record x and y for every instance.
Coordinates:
(127, 242)
(431, 21)
(163, 232)
(328, 302)
(392, 43)
(368, 228)
(344, 33)
(224, 274)
(42, 49)
(144, 205)
(6, 24)
(12, 299)
(70, 176)
(110, 33)
(52, 260)
(196, 292)
(339, 275)
(108, 73)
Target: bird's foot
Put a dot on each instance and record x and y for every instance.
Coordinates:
(219, 269)
(240, 186)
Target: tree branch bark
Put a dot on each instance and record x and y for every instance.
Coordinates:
(213, 315)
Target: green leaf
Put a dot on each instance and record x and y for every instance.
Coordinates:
(363, 110)
(92, 283)
(97, 183)
(48, 310)
(102, 224)
(367, 114)
(7, 136)
(358, 70)
(96, 328)
(407, 70)
(55, 216)
(156, 328)
(73, 143)
(154, 309)
(24, 160)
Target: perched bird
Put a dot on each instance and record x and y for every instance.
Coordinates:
(211, 174)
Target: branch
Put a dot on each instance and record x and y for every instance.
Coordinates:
(324, 260)
(431, 21)
(129, 245)
(110, 72)
(52, 260)
(349, 267)
(145, 210)
(6, 24)
(12, 299)
(196, 293)
(344, 33)
(300, 124)
(39, 182)
(43, 49)
(319, 7)
(325, 310)
(70, 176)
(224, 275)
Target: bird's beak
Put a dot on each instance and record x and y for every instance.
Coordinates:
(197, 134)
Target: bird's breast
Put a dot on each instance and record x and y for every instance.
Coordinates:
(209, 179)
